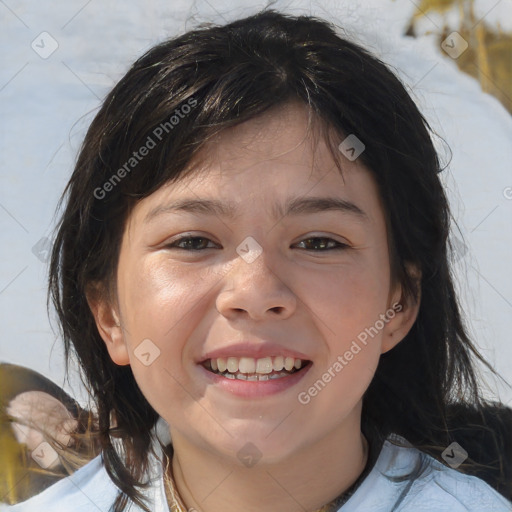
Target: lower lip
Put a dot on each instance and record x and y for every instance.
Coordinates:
(255, 389)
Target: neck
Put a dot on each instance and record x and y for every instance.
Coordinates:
(306, 481)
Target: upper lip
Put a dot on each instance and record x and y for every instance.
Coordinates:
(253, 349)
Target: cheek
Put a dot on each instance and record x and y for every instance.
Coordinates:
(155, 297)
(347, 306)
(165, 305)
(346, 300)
(157, 307)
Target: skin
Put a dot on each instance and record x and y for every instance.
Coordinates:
(188, 303)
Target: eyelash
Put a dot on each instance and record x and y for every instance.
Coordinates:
(339, 246)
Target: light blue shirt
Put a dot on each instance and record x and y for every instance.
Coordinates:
(436, 488)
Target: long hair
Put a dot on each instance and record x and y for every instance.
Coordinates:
(175, 98)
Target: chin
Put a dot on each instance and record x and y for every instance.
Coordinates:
(251, 448)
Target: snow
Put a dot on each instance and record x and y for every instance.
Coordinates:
(46, 105)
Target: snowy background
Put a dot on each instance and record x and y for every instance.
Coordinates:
(61, 58)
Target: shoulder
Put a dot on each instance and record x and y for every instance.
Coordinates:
(405, 479)
(442, 488)
(90, 488)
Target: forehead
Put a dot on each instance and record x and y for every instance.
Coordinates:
(285, 135)
(268, 161)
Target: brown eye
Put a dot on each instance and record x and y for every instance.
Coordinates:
(190, 243)
(322, 244)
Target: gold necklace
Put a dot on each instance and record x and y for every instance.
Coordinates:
(173, 498)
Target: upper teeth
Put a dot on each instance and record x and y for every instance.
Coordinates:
(251, 365)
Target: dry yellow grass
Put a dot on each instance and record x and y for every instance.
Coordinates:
(489, 54)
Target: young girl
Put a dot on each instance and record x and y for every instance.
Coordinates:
(254, 249)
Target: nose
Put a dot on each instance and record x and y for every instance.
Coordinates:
(256, 291)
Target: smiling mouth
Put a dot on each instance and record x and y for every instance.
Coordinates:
(250, 369)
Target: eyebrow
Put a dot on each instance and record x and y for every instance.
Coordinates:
(294, 206)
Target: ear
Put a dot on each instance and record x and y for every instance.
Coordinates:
(402, 312)
(107, 321)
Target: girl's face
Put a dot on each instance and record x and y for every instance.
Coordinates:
(266, 254)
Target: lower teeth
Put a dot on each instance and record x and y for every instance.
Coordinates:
(255, 376)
